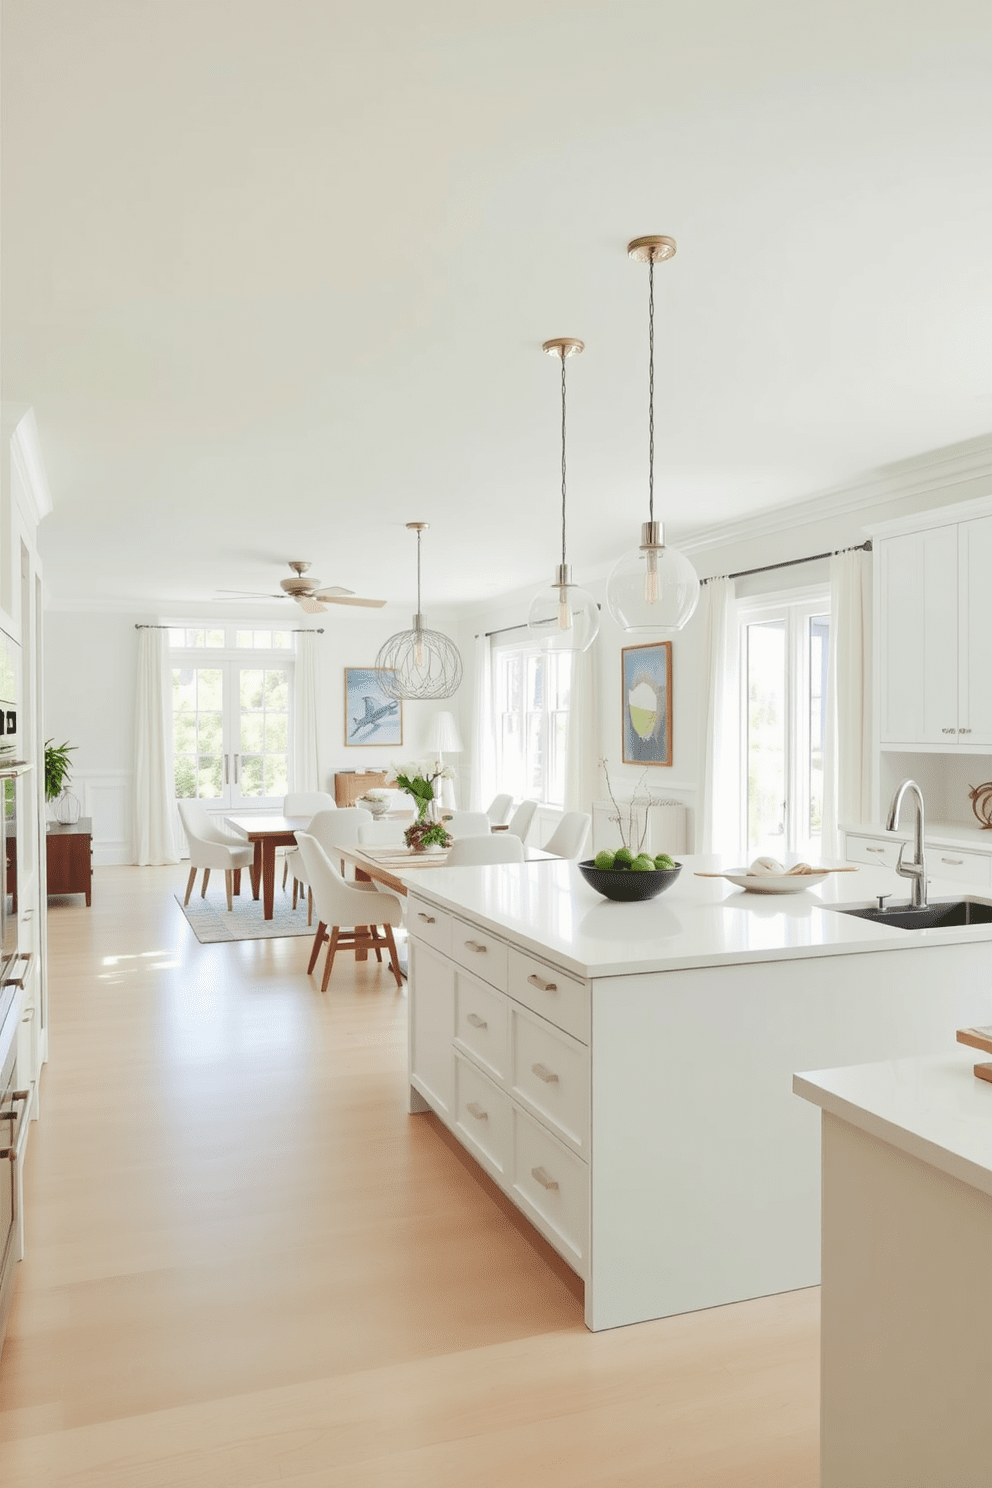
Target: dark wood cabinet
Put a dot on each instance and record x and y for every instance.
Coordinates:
(69, 852)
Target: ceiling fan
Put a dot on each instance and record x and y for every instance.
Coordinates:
(308, 593)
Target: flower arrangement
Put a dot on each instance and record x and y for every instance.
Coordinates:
(418, 781)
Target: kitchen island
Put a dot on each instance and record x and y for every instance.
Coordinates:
(905, 1341)
(624, 1071)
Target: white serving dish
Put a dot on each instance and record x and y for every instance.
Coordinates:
(773, 883)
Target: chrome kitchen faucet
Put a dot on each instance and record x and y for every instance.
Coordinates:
(917, 869)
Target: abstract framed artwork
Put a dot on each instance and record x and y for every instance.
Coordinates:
(646, 698)
(370, 716)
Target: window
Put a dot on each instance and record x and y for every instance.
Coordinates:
(784, 647)
(231, 715)
(530, 712)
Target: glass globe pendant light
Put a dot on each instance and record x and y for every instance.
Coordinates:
(563, 617)
(654, 587)
(419, 663)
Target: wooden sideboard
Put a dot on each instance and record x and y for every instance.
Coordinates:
(69, 853)
(349, 785)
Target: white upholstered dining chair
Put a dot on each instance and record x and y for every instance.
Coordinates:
(498, 810)
(467, 824)
(211, 846)
(340, 904)
(569, 836)
(501, 847)
(522, 819)
(303, 803)
(331, 829)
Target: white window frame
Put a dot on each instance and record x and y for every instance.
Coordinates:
(796, 607)
(525, 649)
(243, 657)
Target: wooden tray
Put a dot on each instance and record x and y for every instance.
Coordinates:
(979, 1038)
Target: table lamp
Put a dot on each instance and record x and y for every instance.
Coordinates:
(443, 738)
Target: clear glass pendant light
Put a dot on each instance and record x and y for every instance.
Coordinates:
(654, 587)
(563, 617)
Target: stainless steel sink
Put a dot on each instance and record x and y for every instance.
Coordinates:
(929, 916)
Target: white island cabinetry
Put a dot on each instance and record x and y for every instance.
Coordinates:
(624, 1071)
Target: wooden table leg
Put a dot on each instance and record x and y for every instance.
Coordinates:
(268, 876)
(255, 871)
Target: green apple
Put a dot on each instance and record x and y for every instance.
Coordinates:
(604, 860)
(624, 858)
(664, 861)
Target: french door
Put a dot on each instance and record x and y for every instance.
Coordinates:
(231, 731)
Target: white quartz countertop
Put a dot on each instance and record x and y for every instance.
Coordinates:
(548, 908)
(934, 1109)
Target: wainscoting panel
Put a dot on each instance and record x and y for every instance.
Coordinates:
(105, 796)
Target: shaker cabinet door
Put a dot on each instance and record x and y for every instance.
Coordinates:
(975, 670)
(918, 632)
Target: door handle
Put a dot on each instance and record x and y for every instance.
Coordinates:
(237, 767)
(227, 769)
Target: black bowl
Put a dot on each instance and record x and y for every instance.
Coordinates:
(621, 883)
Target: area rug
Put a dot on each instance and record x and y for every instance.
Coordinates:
(210, 920)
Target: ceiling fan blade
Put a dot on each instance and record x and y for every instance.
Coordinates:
(248, 594)
(372, 604)
(331, 593)
(308, 605)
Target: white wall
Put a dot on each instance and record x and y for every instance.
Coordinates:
(90, 660)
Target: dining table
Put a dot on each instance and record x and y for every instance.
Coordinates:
(266, 831)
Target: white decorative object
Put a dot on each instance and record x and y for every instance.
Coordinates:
(772, 883)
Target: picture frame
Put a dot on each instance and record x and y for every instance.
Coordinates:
(646, 703)
(372, 719)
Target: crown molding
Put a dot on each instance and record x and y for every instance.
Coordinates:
(934, 471)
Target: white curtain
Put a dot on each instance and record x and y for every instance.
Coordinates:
(847, 734)
(154, 786)
(306, 698)
(582, 738)
(719, 816)
(483, 739)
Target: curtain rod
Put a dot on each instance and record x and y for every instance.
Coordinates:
(301, 630)
(745, 573)
(505, 631)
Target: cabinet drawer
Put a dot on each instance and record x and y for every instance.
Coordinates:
(562, 999)
(480, 1023)
(482, 1119)
(967, 867)
(433, 926)
(479, 952)
(875, 850)
(550, 1076)
(551, 1186)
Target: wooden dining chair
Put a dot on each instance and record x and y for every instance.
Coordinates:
(210, 846)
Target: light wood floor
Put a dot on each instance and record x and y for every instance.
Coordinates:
(248, 1266)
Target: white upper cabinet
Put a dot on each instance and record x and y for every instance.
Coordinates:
(935, 634)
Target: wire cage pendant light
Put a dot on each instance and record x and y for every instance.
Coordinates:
(563, 617)
(653, 587)
(419, 663)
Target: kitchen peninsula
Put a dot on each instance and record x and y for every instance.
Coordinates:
(624, 1071)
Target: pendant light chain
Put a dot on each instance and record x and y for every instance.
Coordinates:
(651, 388)
(563, 360)
(419, 606)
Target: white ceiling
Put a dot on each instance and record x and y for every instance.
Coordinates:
(275, 275)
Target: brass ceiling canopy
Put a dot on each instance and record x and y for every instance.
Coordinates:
(654, 248)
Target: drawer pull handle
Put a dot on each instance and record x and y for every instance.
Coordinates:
(875, 849)
(544, 1178)
(476, 1021)
(955, 862)
(474, 1109)
(964, 731)
(427, 919)
(543, 1073)
(542, 986)
(473, 945)
(948, 731)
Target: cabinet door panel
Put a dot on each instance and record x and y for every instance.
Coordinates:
(975, 681)
(432, 1027)
(919, 637)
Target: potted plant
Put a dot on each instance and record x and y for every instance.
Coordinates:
(57, 779)
(418, 782)
(424, 836)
